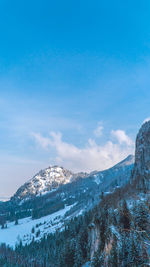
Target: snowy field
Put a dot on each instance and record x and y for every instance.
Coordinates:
(27, 229)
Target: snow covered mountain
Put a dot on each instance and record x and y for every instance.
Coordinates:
(53, 197)
(46, 180)
(51, 178)
(54, 187)
(115, 217)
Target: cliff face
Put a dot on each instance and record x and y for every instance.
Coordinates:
(141, 171)
(94, 238)
(140, 181)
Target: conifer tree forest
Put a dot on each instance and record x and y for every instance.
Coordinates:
(119, 224)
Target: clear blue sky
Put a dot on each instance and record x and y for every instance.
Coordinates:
(80, 68)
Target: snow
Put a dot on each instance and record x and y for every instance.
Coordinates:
(115, 232)
(47, 224)
(45, 193)
(97, 179)
(146, 120)
(44, 181)
(80, 212)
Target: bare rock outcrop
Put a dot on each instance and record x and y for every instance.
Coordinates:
(141, 171)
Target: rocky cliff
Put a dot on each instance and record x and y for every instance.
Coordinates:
(141, 171)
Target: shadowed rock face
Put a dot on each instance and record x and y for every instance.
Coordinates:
(142, 156)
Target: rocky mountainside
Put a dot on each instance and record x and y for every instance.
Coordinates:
(129, 241)
(51, 178)
(141, 171)
(46, 180)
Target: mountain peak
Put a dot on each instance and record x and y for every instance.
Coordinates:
(44, 181)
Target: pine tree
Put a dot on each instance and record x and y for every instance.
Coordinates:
(125, 216)
(142, 217)
(83, 242)
(69, 254)
(16, 221)
(123, 255)
(103, 227)
(78, 258)
(33, 230)
(98, 260)
(114, 255)
(133, 253)
(101, 195)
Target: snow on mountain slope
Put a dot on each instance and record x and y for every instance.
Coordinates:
(45, 181)
(118, 174)
(68, 192)
(126, 162)
(28, 229)
(49, 179)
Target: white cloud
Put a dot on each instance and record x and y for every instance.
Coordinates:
(99, 130)
(122, 137)
(90, 157)
(44, 142)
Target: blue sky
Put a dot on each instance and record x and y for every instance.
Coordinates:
(74, 84)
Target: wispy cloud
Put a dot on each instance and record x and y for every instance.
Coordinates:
(99, 130)
(44, 142)
(122, 137)
(90, 157)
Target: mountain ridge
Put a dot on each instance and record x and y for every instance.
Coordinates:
(51, 178)
(75, 195)
(46, 180)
